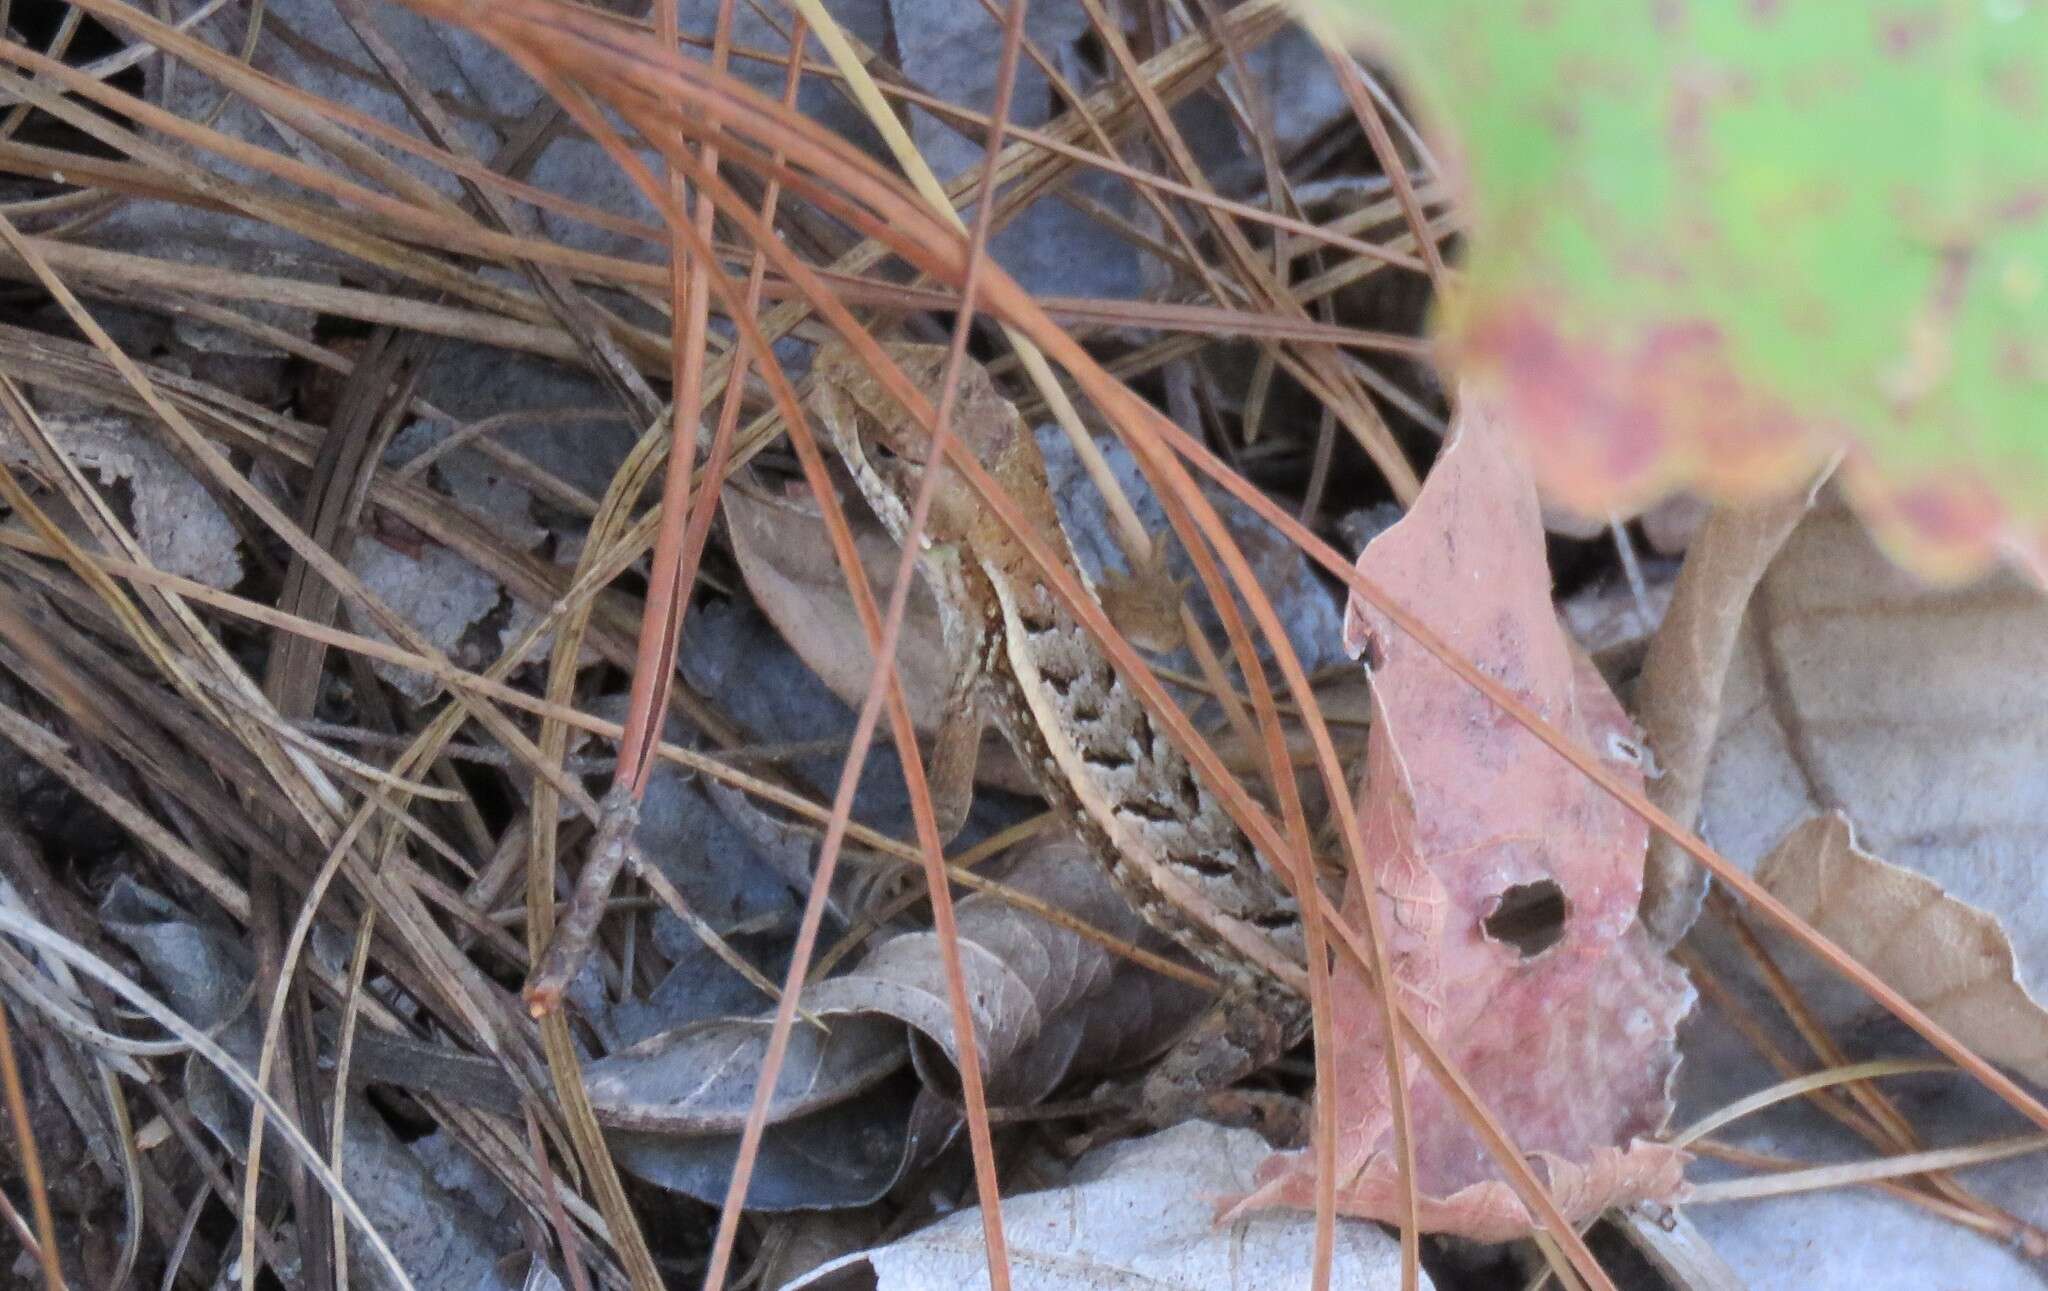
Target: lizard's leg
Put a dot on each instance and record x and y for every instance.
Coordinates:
(956, 753)
(1247, 1029)
(956, 745)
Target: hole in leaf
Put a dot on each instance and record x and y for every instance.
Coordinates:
(1529, 917)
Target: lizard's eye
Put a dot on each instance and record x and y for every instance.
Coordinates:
(881, 451)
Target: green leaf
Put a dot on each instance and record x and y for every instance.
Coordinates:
(1714, 241)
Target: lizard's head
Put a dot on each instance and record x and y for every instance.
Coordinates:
(885, 448)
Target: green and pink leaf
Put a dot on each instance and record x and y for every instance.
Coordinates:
(1715, 244)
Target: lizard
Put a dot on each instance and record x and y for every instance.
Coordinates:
(1084, 738)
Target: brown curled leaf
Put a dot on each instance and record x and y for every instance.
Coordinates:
(1919, 712)
(1945, 955)
(788, 565)
(1678, 700)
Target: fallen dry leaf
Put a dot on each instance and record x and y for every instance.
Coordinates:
(1920, 713)
(1306, 608)
(788, 564)
(178, 524)
(1048, 1005)
(1132, 1215)
(204, 974)
(446, 596)
(1944, 955)
(1678, 699)
(442, 595)
(1858, 1239)
(1508, 882)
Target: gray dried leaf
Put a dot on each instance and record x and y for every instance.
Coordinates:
(1050, 1006)
(1292, 80)
(438, 592)
(209, 240)
(1050, 247)
(203, 972)
(581, 444)
(177, 522)
(1920, 713)
(1140, 1213)
(835, 1121)
(725, 874)
(950, 51)
(732, 651)
(1308, 609)
(699, 1079)
(499, 502)
(846, 1155)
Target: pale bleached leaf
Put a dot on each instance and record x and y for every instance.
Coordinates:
(1865, 1239)
(179, 525)
(1135, 1214)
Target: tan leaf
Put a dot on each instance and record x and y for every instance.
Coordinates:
(1508, 882)
(1678, 699)
(1944, 955)
(788, 563)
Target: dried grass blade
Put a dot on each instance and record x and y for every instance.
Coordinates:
(1815, 1178)
(1802, 1085)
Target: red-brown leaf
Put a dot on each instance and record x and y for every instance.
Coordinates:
(1569, 1043)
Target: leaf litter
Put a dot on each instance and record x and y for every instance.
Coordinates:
(1871, 765)
(1052, 1007)
(206, 974)
(1135, 1213)
(1918, 712)
(180, 526)
(472, 551)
